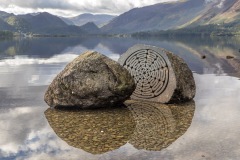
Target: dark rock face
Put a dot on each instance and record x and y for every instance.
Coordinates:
(185, 85)
(160, 75)
(91, 80)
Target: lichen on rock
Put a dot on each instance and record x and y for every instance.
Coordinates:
(91, 80)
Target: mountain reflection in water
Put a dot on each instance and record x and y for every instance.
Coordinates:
(145, 125)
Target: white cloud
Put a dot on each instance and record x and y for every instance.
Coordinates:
(21, 60)
(25, 71)
(74, 7)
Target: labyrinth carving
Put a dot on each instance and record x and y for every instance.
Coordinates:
(150, 72)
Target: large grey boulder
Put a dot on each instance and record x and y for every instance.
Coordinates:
(91, 80)
(160, 75)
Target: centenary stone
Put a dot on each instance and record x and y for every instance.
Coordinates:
(91, 80)
(160, 75)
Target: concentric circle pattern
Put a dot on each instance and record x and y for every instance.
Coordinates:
(155, 125)
(150, 72)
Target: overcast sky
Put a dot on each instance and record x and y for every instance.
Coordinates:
(74, 7)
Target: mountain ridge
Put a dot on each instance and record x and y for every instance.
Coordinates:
(166, 16)
(98, 19)
(43, 20)
(189, 16)
(41, 23)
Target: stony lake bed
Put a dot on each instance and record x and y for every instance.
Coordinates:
(206, 128)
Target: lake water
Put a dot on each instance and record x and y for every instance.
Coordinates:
(206, 128)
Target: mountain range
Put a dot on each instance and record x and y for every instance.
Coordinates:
(99, 19)
(46, 23)
(182, 14)
(175, 15)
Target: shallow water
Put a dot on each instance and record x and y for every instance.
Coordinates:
(207, 128)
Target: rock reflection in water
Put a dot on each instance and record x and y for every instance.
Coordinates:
(95, 131)
(159, 125)
(145, 125)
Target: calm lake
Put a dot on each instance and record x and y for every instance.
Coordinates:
(206, 128)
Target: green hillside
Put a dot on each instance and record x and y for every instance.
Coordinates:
(223, 15)
(41, 24)
(18, 24)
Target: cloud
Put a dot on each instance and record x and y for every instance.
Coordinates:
(53, 4)
(26, 71)
(71, 7)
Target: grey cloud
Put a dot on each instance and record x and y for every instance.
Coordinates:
(53, 4)
(94, 6)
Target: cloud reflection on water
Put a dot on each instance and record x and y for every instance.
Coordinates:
(215, 126)
(25, 71)
(213, 132)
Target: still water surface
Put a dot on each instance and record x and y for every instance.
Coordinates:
(206, 128)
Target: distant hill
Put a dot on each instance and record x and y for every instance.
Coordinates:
(215, 17)
(38, 23)
(11, 22)
(175, 15)
(90, 28)
(68, 21)
(221, 12)
(98, 19)
(43, 21)
(18, 23)
(5, 26)
(230, 16)
(4, 15)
